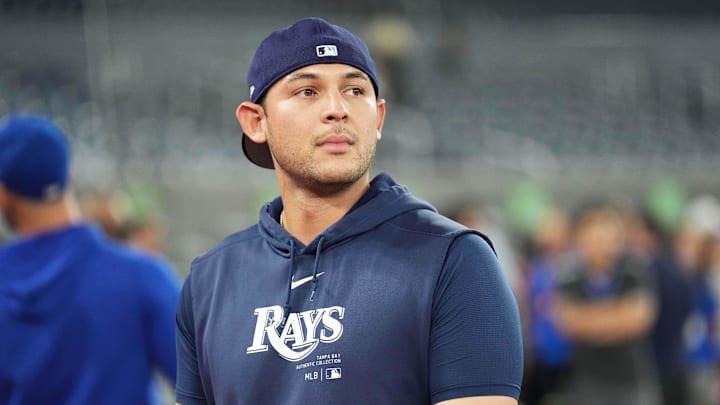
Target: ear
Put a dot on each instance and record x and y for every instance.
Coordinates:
(381, 117)
(252, 117)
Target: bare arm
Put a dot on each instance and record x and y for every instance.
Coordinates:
(606, 322)
(480, 401)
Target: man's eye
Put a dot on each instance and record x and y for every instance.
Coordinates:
(356, 91)
(306, 92)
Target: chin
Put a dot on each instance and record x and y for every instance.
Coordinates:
(340, 176)
(338, 173)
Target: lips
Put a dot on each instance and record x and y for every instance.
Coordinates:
(336, 139)
(336, 144)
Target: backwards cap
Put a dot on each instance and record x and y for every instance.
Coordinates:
(34, 158)
(309, 41)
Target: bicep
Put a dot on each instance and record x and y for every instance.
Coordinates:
(476, 339)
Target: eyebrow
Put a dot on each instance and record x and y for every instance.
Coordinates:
(309, 75)
(357, 75)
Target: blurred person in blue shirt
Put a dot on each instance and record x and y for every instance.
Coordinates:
(673, 306)
(607, 304)
(83, 320)
(693, 246)
(549, 349)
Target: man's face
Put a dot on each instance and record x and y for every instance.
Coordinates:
(323, 123)
(600, 239)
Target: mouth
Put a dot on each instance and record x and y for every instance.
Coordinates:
(336, 143)
(336, 139)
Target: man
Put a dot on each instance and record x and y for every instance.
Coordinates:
(83, 321)
(346, 291)
(606, 306)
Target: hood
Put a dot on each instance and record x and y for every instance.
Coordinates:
(35, 271)
(383, 201)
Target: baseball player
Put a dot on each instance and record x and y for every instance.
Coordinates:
(82, 320)
(348, 290)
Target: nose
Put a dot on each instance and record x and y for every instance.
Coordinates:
(336, 109)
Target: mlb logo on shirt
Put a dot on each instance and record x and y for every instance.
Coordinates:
(333, 373)
(326, 50)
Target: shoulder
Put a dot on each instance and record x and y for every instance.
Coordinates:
(114, 267)
(228, 245)
(119, 255)
(142, 265)
(431, 223)
(434, 225)
(427, 222)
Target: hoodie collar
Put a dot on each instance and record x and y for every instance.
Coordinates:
(384, 200)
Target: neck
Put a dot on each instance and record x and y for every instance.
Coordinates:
(32, 218)
(307, 214)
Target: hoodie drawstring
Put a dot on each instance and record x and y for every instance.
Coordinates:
(286, 307)
(318, 251)
(315, 267)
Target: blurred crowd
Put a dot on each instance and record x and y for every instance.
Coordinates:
(619, 301)
(133, 215)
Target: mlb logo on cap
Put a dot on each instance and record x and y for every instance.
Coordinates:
(326, 50)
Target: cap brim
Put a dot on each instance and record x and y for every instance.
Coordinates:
(258, 153)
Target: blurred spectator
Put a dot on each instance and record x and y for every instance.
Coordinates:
(147, 234)
(695, 245)
(704, 215)
(107, 212)
(673, 298)
(83, 320)
(132, 217)
(606, 305)
(549, 351)
(145, 227)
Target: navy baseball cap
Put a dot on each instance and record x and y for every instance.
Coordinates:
(34, 157)
(309, 41)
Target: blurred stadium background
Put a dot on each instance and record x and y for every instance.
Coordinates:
(507, 106)
(488, 100)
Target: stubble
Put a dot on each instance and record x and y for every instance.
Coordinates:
(305, 170)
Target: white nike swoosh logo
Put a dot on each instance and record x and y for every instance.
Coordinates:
(295, 284)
